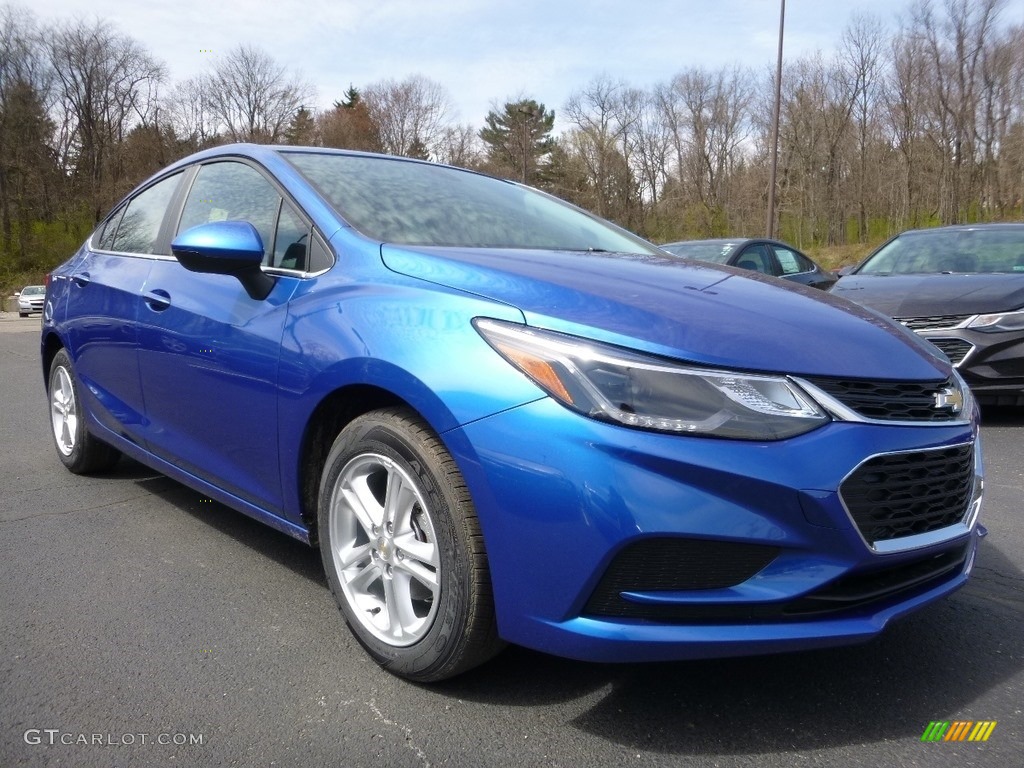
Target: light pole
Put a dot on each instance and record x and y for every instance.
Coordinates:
(770, 226)
(528, 114)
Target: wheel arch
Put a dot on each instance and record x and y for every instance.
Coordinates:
(51, 345)
(335, 410)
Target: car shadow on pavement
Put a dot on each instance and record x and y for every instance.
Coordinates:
(1002, 415)
(300, 558)
(930, 666)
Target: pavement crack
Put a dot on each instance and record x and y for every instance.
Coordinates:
(999, 574)
(64, 512)
(406, 731)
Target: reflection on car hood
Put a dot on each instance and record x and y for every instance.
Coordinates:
(927, 295)
(713, 315)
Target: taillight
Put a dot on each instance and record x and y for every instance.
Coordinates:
(46, 280)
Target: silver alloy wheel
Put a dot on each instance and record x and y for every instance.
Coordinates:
(64, 411)
(385, 549)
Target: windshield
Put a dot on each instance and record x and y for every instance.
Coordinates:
(33, 290)
(716, 251)
(948, 251)
(411, 203)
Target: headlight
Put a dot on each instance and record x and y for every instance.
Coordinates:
(1001, 321)
(613, 384)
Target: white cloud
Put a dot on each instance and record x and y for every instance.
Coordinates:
(484, 51)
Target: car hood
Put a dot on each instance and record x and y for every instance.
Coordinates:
(927, 295)
(716, 316)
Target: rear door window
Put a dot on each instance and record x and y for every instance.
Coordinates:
(792, 263)
(139, 228)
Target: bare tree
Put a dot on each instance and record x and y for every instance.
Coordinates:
(605, 113)
(189, 113)
(954, 44)
(251, 96)
(707, 115)
(1001, 106)
(411, 116)
(652, 144)
(861, 57)
(460, 145)
(905, 90)
(107, 85)
(26, 162)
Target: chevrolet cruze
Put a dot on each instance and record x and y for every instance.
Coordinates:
(502, 419)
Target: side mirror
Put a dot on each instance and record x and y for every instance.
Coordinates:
(848, 269)
(17, 294)
(225, 248)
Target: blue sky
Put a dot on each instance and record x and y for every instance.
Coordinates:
(484, 51)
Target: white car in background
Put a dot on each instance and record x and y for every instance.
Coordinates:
(31, 299)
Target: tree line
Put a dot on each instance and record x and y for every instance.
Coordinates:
(916, 125)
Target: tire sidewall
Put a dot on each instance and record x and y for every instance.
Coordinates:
(380, 435)
(73, 460)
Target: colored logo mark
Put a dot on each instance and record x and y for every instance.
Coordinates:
(958, 730)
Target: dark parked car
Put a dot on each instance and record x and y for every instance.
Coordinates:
(503, 419)
(769, 257)
(962, 288)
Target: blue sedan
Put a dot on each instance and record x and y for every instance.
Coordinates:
(502, 419)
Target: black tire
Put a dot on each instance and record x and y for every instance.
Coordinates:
(412, 583)
(77, 448)
(23, 314)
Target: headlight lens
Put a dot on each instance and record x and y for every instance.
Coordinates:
(612, 384)
(1000, 321)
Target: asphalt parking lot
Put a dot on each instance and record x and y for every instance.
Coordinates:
(143, 625)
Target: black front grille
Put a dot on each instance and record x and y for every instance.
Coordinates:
(904, 494)
(889, 400)
(955, 349)
(660, 565)
(934, 321)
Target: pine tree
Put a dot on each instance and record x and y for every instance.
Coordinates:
(519, 139)
(301, 131)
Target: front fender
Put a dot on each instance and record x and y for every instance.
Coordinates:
(401, 338)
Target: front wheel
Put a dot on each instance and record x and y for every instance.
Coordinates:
(402, 549)
(77, 449)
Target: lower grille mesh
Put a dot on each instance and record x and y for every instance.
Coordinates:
(655, 565)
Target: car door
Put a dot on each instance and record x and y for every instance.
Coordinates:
(104, 299)
(209, 353)
(756, 257)
(798, 268)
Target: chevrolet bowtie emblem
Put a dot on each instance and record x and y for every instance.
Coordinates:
(949, 398)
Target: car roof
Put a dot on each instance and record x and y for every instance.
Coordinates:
(1010, 225)
(711, 241)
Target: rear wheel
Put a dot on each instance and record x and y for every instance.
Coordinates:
(402, 549)
(79, 451)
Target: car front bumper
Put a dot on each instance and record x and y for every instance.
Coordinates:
(613, 544)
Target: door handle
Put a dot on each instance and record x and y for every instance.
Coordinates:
(158, 300)
(81, 279)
